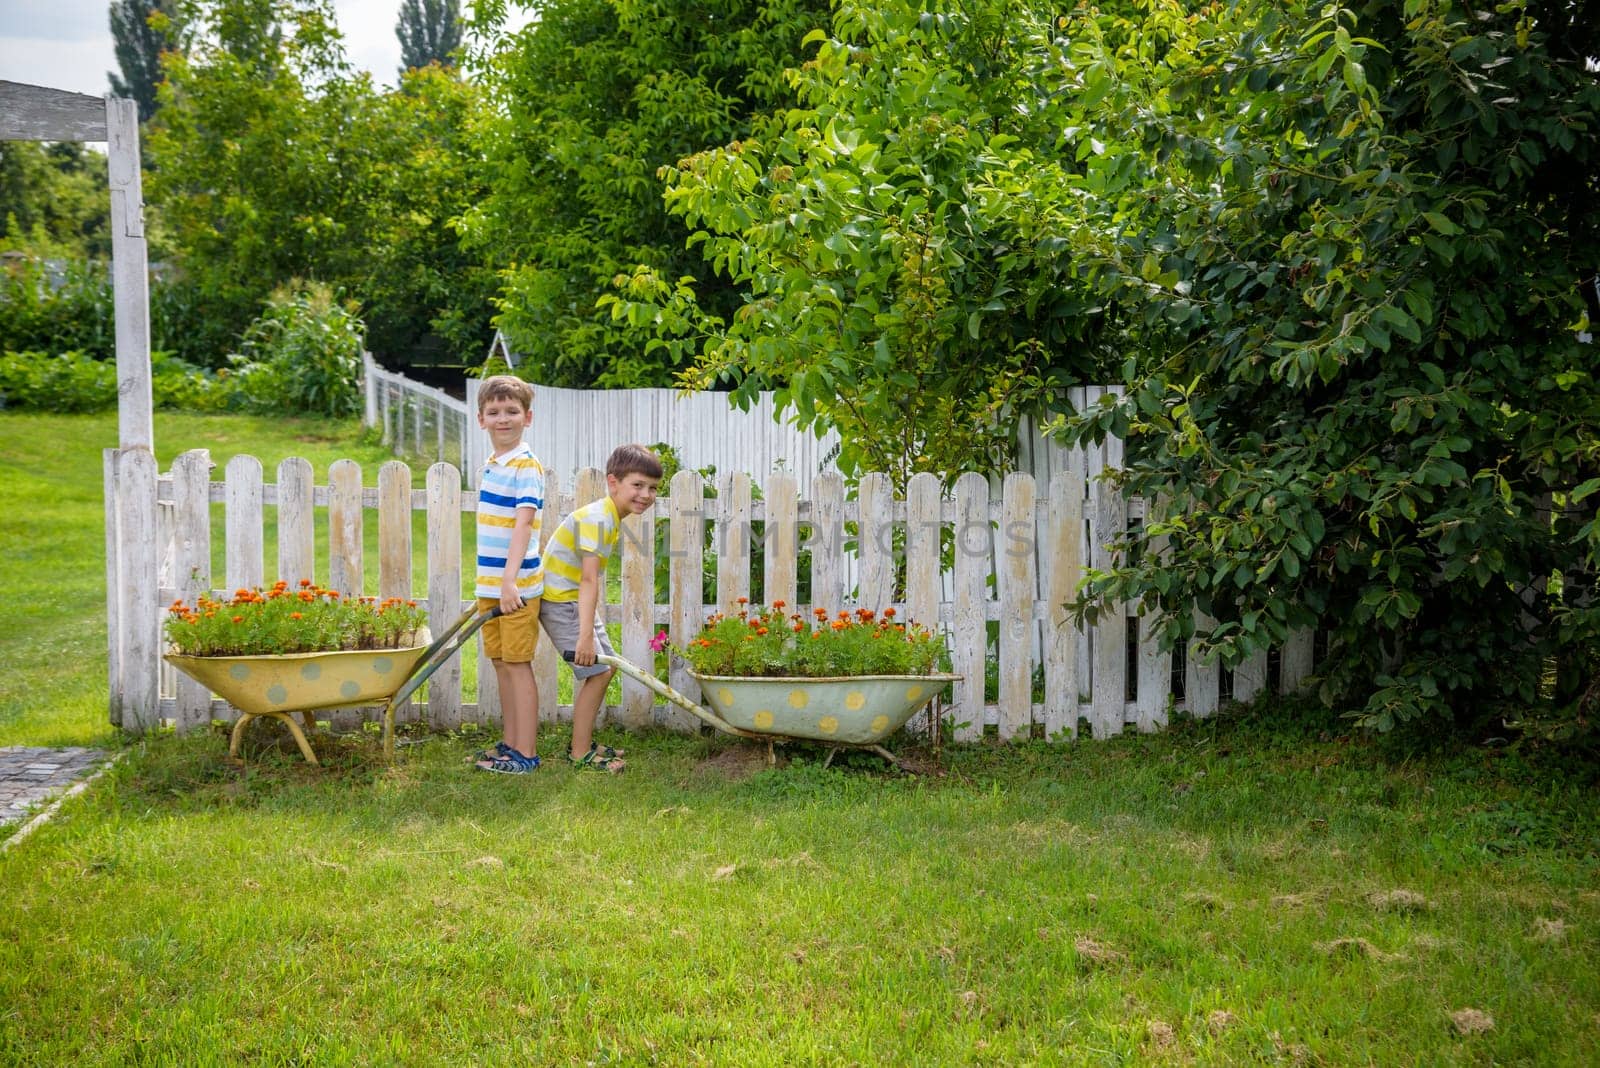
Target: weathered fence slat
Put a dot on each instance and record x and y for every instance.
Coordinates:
(685, 537)
(1202, 679)
(782, 533)
(922, 561)
(827, 543)
(345, 520)
(546, 661)
(969, 635)
(1110, 636)
(297, 529)
(1250, 677)
(638, 548)
(394, 530)
(1296, 660)
(444, 590)
(242, 524)
(875, 538)
(732, 540)
(1018, 589)
(1154, 672)
(191, 567)
(1063, 558)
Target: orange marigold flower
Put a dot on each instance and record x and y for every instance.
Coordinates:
(779, 604)
(294, 615)
(411, 604)
(820, 613)
(761, 630)
(238, 619)
(838, 624)
(743, 600)
(798, 628)
(815, 635)
(304, 583)
(889, 613)
(749, 637)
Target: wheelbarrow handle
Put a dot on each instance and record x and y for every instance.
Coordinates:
(650, 682)
(438, 654)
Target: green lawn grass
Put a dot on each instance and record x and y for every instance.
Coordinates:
(1251, 889)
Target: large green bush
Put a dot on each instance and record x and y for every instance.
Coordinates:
(303, 354)
(1352, 241)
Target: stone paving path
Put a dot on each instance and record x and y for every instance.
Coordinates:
(31, 776)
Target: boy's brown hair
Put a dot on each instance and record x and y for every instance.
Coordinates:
(633, 460)
(505, 387)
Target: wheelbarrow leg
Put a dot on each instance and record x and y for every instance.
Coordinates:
(300, 739)
(238, 733)
(288, 720)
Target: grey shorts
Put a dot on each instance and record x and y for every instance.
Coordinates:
(560, 622)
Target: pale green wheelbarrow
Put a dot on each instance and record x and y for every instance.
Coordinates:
(276, 687)
(847, 712)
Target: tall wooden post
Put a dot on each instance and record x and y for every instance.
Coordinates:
(133, 623)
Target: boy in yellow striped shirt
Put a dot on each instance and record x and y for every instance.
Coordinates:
(574, 582)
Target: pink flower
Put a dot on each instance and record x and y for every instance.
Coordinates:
(659, 642)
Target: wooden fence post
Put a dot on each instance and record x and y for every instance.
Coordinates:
(139, 595)
(114, 620)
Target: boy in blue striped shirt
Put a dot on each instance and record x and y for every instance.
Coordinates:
(510, 497)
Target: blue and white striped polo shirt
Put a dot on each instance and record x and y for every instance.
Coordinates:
(509, 481)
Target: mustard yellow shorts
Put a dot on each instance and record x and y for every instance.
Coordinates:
(511, 639)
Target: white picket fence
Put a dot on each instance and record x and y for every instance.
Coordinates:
(1017, 561)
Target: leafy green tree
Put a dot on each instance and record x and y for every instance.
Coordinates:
(429, 32)
(271, 168)
(1352, 240)
(141, 30)
(248, 166)
(594, 98)
(881, 297)
(53, 200)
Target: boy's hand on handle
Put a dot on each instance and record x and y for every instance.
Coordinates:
(510, 598)
(584, 655)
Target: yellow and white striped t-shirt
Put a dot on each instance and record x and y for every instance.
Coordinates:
(591, 530)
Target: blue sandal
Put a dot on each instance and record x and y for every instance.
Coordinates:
(513, 763)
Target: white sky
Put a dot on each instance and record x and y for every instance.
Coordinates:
(66, 44)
